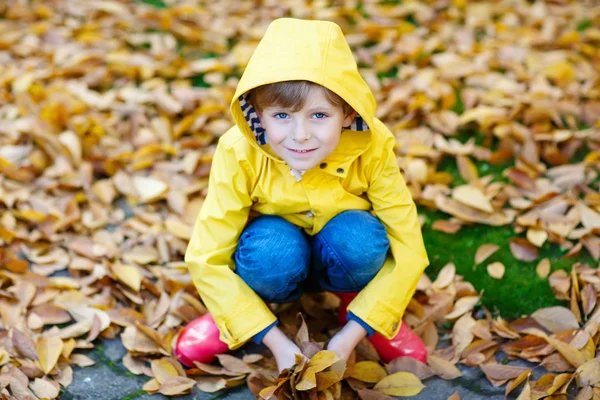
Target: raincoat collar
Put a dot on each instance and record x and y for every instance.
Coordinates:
(316, 51)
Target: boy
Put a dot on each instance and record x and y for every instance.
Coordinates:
(308, 156)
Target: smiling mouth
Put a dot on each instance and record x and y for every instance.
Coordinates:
(301, 151)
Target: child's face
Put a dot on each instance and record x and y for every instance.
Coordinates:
(305, 137)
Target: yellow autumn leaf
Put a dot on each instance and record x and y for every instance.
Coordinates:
(369, 371)
(561, 72)
(48, 350)
(400, 384)
(308, 380)
(4, 357)
(164, 369)
(472, 197)
(129, 275)
(323, 360)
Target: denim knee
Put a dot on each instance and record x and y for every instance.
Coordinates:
(352, 247)
(273, 258)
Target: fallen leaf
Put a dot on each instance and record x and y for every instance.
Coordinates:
(442, 368)
(368, 371)
(48, 350)
(400, 384)
(496, 270)
(523, 250)
(409, 364)
(129, 275)
(462, 306)
(485, 251)
(556, 319)
(543, 268)
(472, 197)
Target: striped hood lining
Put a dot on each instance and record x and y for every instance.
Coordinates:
(358, 124)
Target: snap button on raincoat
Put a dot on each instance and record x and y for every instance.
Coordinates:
(247, 176)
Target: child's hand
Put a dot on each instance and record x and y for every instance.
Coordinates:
(346, 340)
(282, 348)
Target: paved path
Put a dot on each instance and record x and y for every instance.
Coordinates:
(110, 380)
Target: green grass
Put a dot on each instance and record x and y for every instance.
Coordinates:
(154, 3)
(520, 291)
(584, 24)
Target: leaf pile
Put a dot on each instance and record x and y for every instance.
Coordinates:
(109, 115)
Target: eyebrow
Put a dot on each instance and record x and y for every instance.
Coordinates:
(320, 107)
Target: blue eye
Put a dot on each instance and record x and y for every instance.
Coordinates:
(281, 115)
(320, 115)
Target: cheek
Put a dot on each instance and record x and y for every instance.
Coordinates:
(331, 135)
(275, 134)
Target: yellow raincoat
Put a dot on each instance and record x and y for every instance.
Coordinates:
(361, 174)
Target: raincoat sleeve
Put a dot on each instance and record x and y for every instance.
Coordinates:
(237, 310)
(383, 301)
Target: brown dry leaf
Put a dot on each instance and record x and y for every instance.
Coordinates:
(496, 270)
(81, 360)
(455, 396)
(560, 284)
(409, 364)
(211, 384)
(234, 364)
(176, 385)
(252, 358)
(543, 268)
(588, 299)
(523, 250)
(472, 197)
(446, 226)
(556, 319)
(134, 366)
(45, 389)
(485, 251)
(445, 276)
(149, 189)
(24, 344)
(588, 374)
(48, 350)
(442, 368)
(369, 394)
(570, 353)
(51, 314)
(462, 306)
(462, 332)
(502, 372)
(400, 384)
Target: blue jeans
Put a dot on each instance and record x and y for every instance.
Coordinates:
(279, 261)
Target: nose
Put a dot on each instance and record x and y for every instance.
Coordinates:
(301, 132)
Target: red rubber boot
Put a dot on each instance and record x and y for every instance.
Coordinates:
(200, 342)
(405, 344)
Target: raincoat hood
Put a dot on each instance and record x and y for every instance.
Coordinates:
(295, 49)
